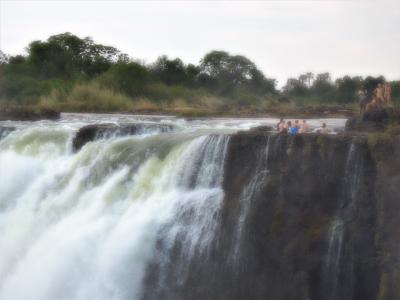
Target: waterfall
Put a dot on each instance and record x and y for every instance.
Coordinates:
(338, 268)
(332, 263)
(257, 181)
(193, 213)
(190, 233)
(88, 225)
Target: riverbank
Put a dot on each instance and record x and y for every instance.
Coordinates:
(277, 111)
(28, 113)
(34, 113)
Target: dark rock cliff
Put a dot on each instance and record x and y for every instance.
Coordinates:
(387, 193)
(304, 217)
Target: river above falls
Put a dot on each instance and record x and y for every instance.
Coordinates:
(74, 121)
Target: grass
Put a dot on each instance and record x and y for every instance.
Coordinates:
(87, 97)
(159, 98)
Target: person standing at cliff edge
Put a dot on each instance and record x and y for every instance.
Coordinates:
(387, 94)
(379, 95)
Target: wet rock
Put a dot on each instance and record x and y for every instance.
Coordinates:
(100, 131)
(370, 121)
(5, 130)
(387, 190)
(261, 129)
(292, 212)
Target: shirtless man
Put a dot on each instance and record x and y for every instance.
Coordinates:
(323, 129)
(378, 93)
(304, 127)
(281, 125)
(387, 94)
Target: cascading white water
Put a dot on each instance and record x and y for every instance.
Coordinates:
(85, 225)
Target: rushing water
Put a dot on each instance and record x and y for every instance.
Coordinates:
(86, 225)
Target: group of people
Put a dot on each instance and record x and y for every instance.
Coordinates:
(297, 127)
(381, 97)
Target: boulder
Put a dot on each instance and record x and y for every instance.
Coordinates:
(101, 131)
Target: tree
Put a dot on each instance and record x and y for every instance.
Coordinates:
(370, 83)
(295, 87)
(395, 91)
(347, 88)
(3, 58)
(66, 55)
(192, 73)
(323, 88)
(310, 77)
(171, 72)
(128, 78)
(225, 73)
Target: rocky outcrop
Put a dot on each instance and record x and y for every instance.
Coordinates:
(100, 131)
(5, 130)
(304, 217)
(370, 121)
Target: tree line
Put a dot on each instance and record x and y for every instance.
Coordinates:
(65, 60)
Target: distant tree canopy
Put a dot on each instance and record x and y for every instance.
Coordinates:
(64, 60)
(370, 83)
(3, 58)
(320, 87)
(224, 73)
(66, 55)
(170, 71)
(127, 77)
(296, 87)
(347, 89)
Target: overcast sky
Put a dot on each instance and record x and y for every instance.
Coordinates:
(284, 38)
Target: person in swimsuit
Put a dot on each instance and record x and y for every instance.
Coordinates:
(387, 94)
(294, 129)
(281, 125)
(323, 129)
(304, 127)
(378, 93)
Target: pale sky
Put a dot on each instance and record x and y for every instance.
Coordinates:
(284, 38)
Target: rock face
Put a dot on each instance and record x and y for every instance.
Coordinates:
(99, 131)
(387, 195)
(304, 217)
(5, 130)
(370, 121)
